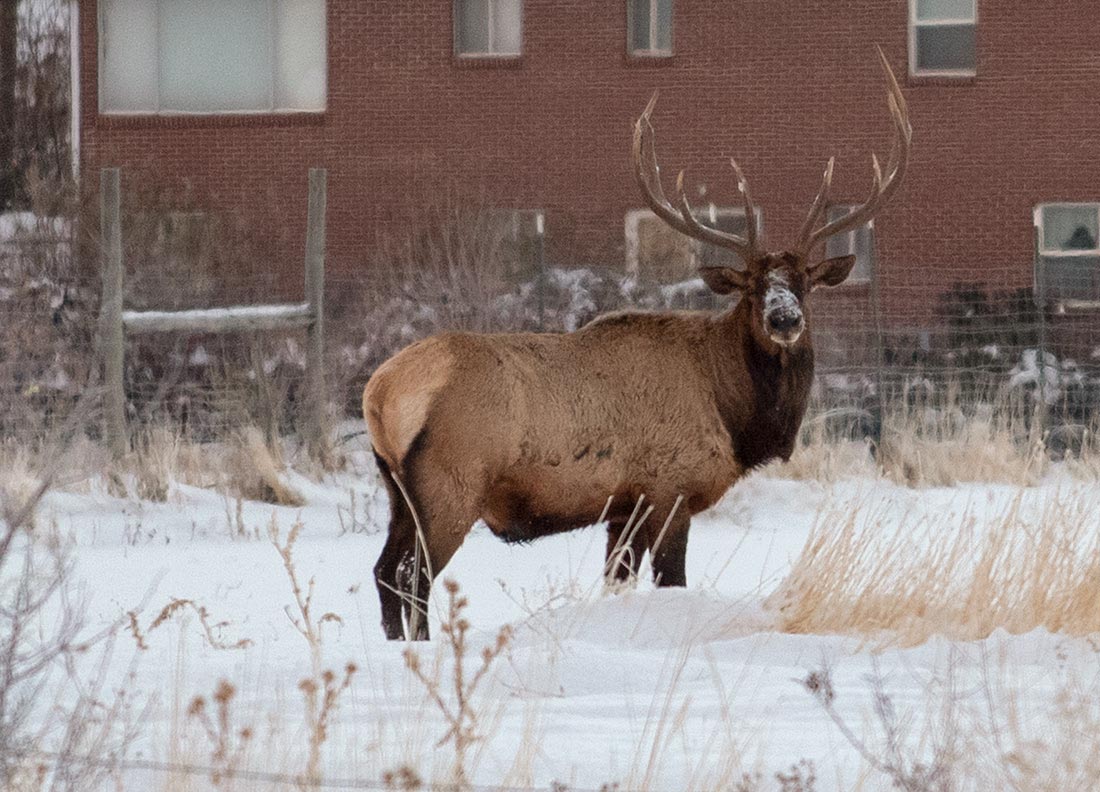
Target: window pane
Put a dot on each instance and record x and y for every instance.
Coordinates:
(664, 25)
(714, 256)
(128, 55)
(300, 50)
(945, 9)
(837, 244)
(865, 252)
(216, 55)
(639, 25)
(1076, 278)
(1070, 227)
(507, 36)
(945, 48)
(857, 242)
(472, 25)
(663, 253)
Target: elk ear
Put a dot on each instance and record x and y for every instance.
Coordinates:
(723, 280)
(831, 272)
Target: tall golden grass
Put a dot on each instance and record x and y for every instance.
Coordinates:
(1029, 565)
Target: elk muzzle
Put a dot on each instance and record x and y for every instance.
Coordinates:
(783, 319)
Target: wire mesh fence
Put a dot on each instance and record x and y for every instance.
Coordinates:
(881, 343)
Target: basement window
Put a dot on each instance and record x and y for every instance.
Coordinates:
(1068, 263)
(942, 38)
(212, 56)
(519, 236)
(859, 242)
(657, 251)
(649, 27)
(488, 28)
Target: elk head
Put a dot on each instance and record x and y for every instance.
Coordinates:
(775, 284)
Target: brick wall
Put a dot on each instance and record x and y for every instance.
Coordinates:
(781, 84)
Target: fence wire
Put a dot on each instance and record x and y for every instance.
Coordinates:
(884, 341)
(55, 761)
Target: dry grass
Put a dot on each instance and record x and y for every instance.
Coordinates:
(863, 571)
(255, 471)
(943, 445)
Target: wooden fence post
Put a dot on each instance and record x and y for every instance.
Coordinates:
(110, 330)
(316, 397)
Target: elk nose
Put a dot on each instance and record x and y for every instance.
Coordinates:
(782, 322)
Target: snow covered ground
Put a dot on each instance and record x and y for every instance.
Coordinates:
(671, 689)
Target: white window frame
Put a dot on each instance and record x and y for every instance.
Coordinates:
(490, 35)
(271, 109)
(1047, 252)
(914, 23)
(634, 218)
(850, 247)
(652, 51)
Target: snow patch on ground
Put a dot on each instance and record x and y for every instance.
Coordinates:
(588, 675)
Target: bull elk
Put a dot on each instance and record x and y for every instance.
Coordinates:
(541, 433)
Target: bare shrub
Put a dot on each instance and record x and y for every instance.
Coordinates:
(892, 756)
(321, 690)
(43, 629)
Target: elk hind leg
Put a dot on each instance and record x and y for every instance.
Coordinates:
(396, 555)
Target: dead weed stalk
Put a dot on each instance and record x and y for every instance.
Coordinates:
(460, 714)
(321, 690)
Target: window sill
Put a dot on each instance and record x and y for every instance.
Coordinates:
(942, 78)
(488, 61)
(185, 120)
(650, 59)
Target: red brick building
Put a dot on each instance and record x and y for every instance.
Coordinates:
(530, 102)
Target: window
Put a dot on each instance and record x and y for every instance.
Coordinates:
(859, 242)
(942, 37)
(488, 28)
(1068, 265)
(649, 27)
(211, 56)
(520, 235)
(656, 250)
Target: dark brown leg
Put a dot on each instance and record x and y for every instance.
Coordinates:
(668, 548)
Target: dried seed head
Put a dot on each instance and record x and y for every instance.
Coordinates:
(224, 692)
(198, 704)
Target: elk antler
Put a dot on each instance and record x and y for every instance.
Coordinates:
(648, 174)
(881, 189)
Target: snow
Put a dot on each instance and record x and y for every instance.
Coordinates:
(644, 687)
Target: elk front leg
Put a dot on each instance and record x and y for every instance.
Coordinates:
(668, 551)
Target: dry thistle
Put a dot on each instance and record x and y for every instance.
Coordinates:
(211, 630)
(227, 746)
(403, 779)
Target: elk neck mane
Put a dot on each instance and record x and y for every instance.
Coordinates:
(761, 393)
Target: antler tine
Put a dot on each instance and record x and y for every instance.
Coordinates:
(816, 208)
(883, 187)
(746, 202)
(648, 175)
